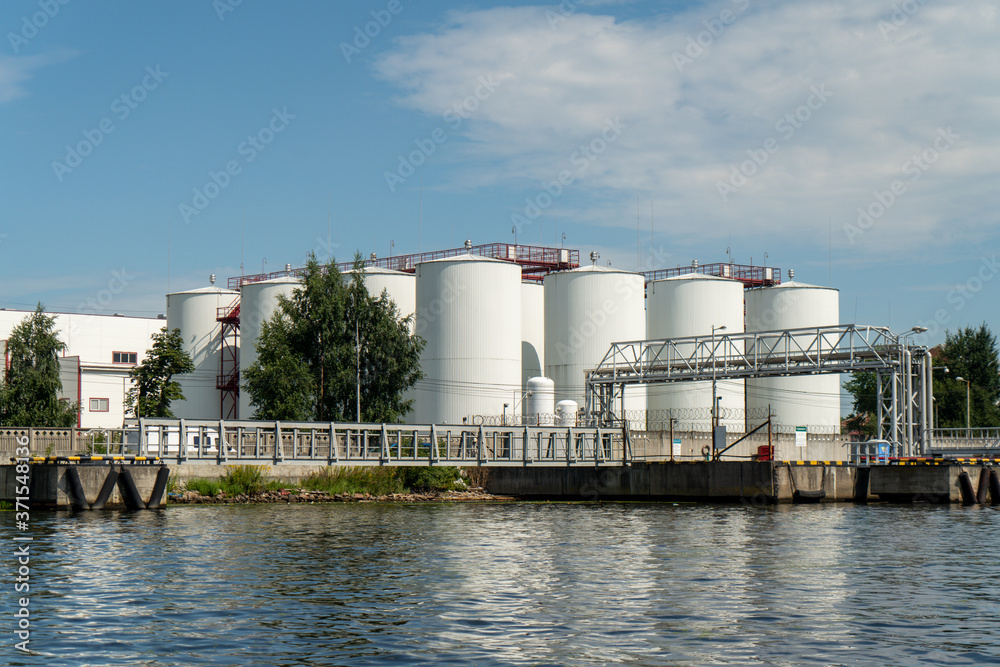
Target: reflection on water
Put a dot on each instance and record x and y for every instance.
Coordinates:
(643, 584)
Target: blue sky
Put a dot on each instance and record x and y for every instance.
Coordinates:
(742, 125)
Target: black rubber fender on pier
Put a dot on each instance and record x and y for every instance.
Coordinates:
(159, 486)
(130, 494)
(983, 493)
(808, 496)
(994, 487)
(965, 486)
(109, 485)
(77, 497)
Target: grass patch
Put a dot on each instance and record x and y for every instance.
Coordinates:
(379, 481)
(206, 487)
(348, 479)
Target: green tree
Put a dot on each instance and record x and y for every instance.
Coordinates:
(321, 341)
(153, 387)
(30, 393)
(972, 355)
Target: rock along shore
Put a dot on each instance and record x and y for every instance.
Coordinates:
(301, 496)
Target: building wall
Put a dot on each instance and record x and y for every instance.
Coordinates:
(95, 339)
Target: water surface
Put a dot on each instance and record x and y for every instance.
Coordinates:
(512, 584)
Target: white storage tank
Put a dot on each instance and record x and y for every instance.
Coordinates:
(811, 401)
(195, 313)
(399, 286)
(690, 305)
(566, 412)
(258, 302)
(587, 309)
(532, 330)
(469, 312)
(539, 401)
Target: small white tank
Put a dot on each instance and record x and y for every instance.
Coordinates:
(540, 401)
(566, 412)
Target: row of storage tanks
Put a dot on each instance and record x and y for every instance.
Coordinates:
(488, 332)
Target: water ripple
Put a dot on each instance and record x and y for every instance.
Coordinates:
(539, 584)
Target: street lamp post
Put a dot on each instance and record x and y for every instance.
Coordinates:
(968, 405)
(937, 421)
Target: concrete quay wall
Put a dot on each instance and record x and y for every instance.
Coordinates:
(51, 486)
(746, 481)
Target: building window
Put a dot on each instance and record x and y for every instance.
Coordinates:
(99, 405)
(124, 357)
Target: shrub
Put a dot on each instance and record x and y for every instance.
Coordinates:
(243, 480)
(428, 478)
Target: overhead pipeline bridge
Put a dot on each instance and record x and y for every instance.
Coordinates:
(903, 371)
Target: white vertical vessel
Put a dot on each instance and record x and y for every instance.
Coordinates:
(811, 401)
(691, 305)
(532, 331)
(258, 302)
(469, 311)
(195, 313)
(587, 309)
(399, 286)
(539, 401)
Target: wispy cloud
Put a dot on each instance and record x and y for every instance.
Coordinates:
(889, 96)
(16, 71)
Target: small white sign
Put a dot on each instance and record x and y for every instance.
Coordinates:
(677, 447)
(800, 436)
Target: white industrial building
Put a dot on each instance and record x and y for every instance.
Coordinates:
(101, 351)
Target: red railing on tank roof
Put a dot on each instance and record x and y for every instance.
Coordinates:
(749, 275)
(535, 261)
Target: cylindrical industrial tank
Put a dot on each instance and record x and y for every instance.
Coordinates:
(532, 331)
(690, 305)
(195, 313)
(811, 401)
(399, 286)
(587, 309)
(469, 312)
(539, 401)
(566, 413)
(258, 301)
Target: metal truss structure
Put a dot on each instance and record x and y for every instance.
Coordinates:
(903, 372)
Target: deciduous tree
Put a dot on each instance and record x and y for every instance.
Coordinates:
(153, 387)
(30, 392)
(328, 341)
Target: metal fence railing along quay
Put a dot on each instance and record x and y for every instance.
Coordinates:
(963, 440)
(233, 442)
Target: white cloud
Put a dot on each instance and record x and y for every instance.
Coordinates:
(14, 72)
(890, 91)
